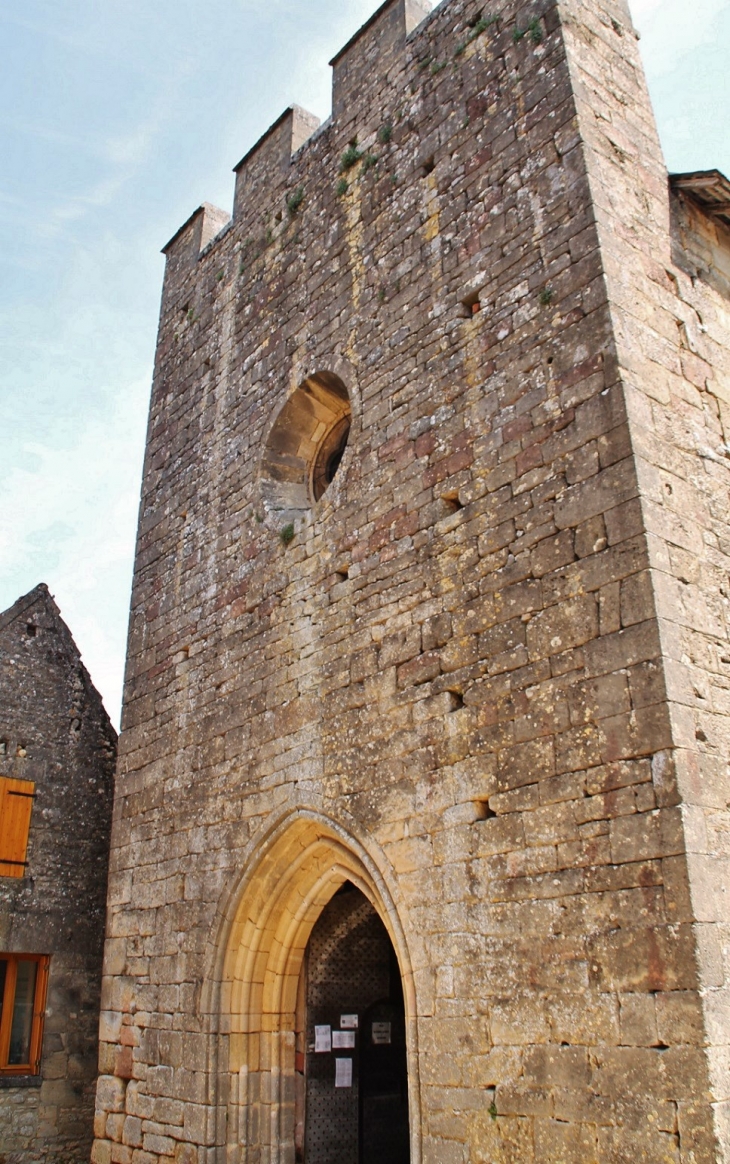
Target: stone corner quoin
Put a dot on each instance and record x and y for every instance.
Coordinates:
(431, 596)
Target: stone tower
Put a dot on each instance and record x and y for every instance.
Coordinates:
(421, 831)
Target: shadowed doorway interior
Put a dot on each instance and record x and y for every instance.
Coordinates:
(352, 1079)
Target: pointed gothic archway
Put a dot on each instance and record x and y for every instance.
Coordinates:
(293, 876)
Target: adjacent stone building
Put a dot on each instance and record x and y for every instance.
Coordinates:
(57, 758)
(421, 836)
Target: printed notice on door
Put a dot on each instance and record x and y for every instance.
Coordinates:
(322, 1039)
(381, 1034)
(349, 1022)
(343, 1040)
(343, 1072)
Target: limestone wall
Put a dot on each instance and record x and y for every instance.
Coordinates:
(666, 268)
(453, 680)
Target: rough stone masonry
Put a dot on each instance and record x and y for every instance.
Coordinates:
(56, 741)
(431, 596)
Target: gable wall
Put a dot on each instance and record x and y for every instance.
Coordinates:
(57, 735)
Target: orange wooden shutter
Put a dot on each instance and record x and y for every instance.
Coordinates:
(16, 804)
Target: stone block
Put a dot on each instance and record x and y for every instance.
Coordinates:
(101, 1152)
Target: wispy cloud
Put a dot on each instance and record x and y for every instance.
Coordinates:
(67, 517)
(40, 28)
(124, 155)
(674, 28)
(101, 194)
(42, 131)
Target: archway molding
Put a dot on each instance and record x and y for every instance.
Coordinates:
(263, 931)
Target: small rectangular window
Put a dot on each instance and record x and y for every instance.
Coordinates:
(16, 805)
(23, 982)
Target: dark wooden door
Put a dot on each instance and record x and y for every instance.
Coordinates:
(384, 1135)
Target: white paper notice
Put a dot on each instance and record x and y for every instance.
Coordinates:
(322, 1039)
(381, 1034)
(349, 1022)
(343, 1072)
(343, 1040)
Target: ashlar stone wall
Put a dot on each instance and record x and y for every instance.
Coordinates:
(484, 677)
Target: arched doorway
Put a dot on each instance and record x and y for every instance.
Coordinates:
(265, 933)
(352, 1074)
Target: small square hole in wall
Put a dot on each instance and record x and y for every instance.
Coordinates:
(428, 166)
(456, 701)
(471, 304)
(3, 747)
(482, 810)
(453, 504)
(31, 630)
(342, 573)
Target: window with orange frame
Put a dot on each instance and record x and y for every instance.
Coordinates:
(23, 984)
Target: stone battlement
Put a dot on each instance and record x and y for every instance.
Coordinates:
(362, 64)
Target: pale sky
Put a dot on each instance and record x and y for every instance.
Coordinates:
(117, 119)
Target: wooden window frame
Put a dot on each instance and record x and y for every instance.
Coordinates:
(33, 1067)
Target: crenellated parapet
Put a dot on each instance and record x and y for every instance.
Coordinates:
(359, 69)
(364, 61)
(183, 249)
(270, 158)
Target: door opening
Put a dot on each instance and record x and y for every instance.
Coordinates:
(351, 1066)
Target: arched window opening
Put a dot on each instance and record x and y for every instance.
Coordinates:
(306, 445)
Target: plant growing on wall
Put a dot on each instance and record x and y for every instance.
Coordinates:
(351, 157)
(477, 28)
(295, 200)
(534, 29)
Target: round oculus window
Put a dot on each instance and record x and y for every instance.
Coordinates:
(306, 444)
